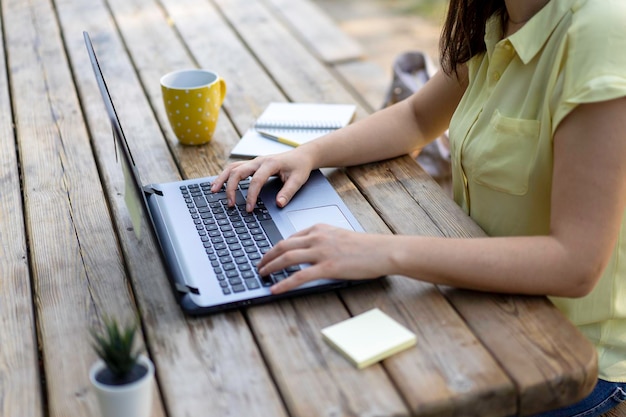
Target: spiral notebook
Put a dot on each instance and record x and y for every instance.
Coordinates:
(282, 126)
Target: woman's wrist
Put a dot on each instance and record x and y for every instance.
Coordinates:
(310, 154)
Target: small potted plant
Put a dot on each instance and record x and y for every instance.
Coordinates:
(122, 377)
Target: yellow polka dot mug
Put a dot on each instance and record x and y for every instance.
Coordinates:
(192, 100)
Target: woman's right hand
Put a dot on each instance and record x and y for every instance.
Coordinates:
(292, 167)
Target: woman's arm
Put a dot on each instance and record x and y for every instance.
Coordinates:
(394, 131)
(397, 130)
(588, 203)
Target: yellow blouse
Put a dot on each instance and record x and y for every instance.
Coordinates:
(571, 52)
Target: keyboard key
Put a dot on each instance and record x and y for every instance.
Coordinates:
(200, 201)
(279, 276)
(213, 197)
(238, 288)
(252, 284)
(234, 281)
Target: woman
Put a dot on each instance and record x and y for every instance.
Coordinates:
(533, 93)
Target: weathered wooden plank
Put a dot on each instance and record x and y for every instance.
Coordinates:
(531, 325)
(71, 238)
(535, 343)
(317, 30)
(368, 79)
(437, 378)
(333, 46)
(209, 366)
(20, 388)
(284, 57)
(445, 216)
(314, 379)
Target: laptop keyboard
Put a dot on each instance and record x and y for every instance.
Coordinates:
(234, 240)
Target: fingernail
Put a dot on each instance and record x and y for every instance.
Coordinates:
(230, 202)
(248, 207)
(282, 201)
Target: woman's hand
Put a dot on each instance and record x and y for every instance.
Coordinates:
(292, 167)
(331, 252)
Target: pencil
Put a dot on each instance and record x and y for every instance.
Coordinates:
(278, 138)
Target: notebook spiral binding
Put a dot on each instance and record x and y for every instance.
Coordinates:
(298, 125)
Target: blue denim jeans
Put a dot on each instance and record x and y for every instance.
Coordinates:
(605, 396)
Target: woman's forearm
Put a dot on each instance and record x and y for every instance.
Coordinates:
(385, 134)
(397, 130)
(535, 265)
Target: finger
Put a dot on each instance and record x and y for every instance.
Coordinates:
(221, 179)
(278, 262)
(254, 188)
(294, 242)
(259, 178)
(290, 187)
(295, 280)
(238, 172)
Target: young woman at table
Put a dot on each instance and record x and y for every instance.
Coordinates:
(533, 93)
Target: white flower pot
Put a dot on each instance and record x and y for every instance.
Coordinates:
(130, 400)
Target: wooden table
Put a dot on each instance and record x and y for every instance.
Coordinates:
(69, 254)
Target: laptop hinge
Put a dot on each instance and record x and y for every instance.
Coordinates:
(151, 190)
(185, 289)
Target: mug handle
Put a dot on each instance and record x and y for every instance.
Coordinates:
(222, 83)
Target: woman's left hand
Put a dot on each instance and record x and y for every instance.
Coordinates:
(332, 252)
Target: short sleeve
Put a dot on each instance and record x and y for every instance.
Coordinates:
(595, 62)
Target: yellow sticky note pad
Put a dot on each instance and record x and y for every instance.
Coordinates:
(369, 337)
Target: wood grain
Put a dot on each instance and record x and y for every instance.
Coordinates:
(367, 79)
(208, 366)
(287, 61)
(317, 31)
(78, 272)
(216, 46)
(20, 392)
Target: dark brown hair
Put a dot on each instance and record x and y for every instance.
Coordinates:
(463, 34)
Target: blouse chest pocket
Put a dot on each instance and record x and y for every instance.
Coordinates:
(505, 154)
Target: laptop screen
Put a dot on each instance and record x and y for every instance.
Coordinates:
(133, 193)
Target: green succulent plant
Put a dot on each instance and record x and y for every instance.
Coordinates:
(114, 344)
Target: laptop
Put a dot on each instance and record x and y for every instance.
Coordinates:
(211, 250)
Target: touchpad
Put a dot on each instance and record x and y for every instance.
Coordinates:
(301, 219)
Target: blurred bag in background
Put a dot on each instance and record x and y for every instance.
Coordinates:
(411, 70)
